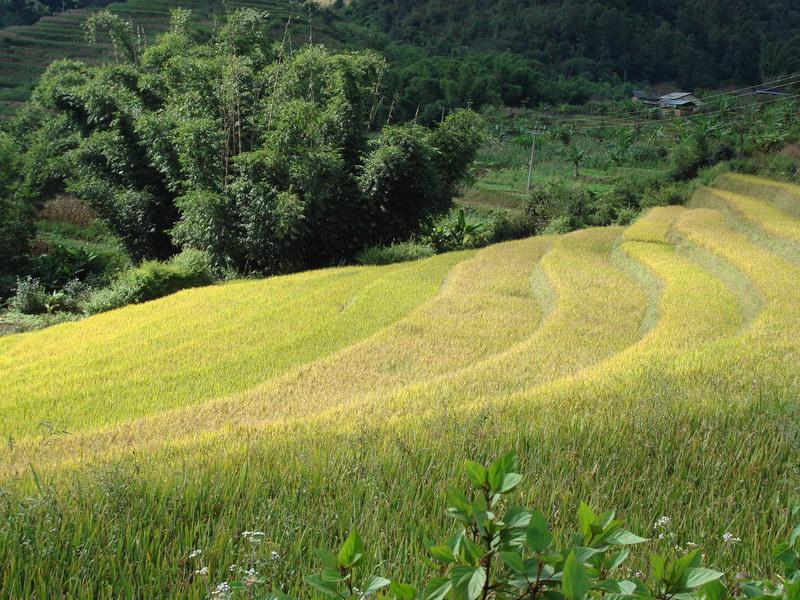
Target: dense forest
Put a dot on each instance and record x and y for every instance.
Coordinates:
(693, 43)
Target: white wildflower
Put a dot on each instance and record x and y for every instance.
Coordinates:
(221, 592)
(195, 553)
(691, 545)
(203, 571)
(729, 538)
(662, 523)
(254, 537)
(275, 556)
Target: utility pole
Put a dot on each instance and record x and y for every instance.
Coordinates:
(537, 129)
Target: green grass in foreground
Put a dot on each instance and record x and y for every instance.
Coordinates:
(652, 370)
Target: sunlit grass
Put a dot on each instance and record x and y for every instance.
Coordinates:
(198, 345)
(653, 370)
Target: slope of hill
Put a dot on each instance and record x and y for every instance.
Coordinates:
(26, 50)
(695, 43)
(653, 369)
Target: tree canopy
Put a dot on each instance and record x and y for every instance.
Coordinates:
(694, 43)
(261, 156)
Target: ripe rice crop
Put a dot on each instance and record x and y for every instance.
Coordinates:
(652, 369)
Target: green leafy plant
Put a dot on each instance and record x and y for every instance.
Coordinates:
(509, 552)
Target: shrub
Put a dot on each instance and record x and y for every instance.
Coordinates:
(668, 195)
(626, 216)
(510, 225)
(688, 158)
(556, 199)
(30, 298)
(395, 253)
(152, 280)
(558, 226)
(781, 165)
(194, 263)
(62, 264)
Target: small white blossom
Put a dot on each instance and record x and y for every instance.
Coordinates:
(691, 545)
(662, 523)
(275, 556)
(195, 553)
(729, 538)
(254, 537)
(203, 571)
(222, 591)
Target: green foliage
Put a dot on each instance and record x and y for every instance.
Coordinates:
(119, 31)
(62, 264)
(238, 147)
(152, 280)
(590, 40)
(395, 253)
(16, 216)
(30, 298)
(569, 204)
(501, 551)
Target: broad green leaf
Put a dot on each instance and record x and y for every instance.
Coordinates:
(468, 582)
(586, 517)
(454, 541)
(374, 584)
(471, 552)
(694, 577)
(513, 561)
(657, 564)
(328, 558)
(792, 590)
(624, 538)
(517, 518)
(714, 590)
(750, 589)
(510, 481)
(333, 574)
(476, 473)
(618, 560)
(325, 587)
(402, 591)
(574, 581)
(794, 535)
(503, 466)
(442, 554)
(785, 555)
(352, 551)
(583, 555)
(538, 534)
(437, 589)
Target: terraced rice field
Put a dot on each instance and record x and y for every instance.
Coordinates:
(652, 369)
(26, 51)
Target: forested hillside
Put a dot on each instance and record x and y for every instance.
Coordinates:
(694, 43)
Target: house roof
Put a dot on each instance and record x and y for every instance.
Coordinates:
(678, 99)
(675, 95)
(644, 95)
